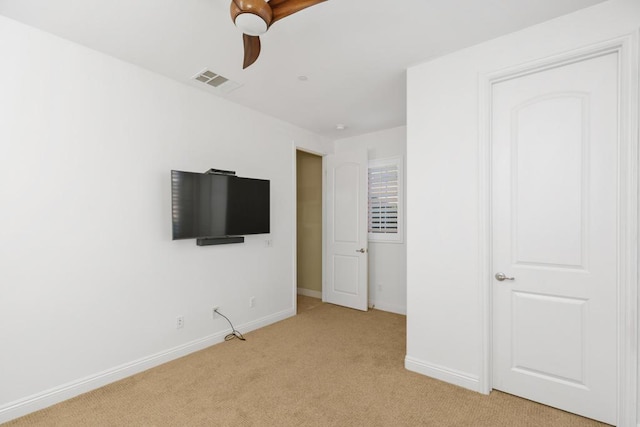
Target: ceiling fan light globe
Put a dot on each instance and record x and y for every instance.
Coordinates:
(251, 24)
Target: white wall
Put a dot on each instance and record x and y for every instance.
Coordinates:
(90, 281)
(444, 320)
(387, 261)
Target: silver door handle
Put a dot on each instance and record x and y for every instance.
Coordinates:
(501, 277)
(361, 250)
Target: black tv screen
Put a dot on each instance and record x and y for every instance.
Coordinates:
(212, 205)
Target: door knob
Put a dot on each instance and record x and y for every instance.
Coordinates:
(501, 277)
(361, 250)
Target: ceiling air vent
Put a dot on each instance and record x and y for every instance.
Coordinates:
(216, 81)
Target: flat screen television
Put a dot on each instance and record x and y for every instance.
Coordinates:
(216, 205)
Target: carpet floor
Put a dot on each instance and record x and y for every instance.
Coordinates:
(327, 366)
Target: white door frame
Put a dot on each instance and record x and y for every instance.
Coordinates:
(627, 286)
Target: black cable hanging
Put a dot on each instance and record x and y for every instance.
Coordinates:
(234, 333)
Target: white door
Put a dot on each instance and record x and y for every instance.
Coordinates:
(346, 260)
(554, 211)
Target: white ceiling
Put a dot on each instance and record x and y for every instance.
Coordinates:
(354, 52)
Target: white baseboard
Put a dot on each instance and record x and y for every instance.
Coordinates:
(389, 307)
(309, 293)
(266, 321)
(66, 391)
(442, 373)
(380, 306)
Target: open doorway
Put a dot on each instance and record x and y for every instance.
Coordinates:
(309, 227)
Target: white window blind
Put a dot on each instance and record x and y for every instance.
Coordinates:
(385, 199)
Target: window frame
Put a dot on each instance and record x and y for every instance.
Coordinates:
(388, 237)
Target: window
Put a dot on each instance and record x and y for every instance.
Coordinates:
(385, 200)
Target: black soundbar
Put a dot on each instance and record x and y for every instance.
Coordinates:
(207, 241)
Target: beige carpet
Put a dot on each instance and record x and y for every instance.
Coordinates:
(328, 366)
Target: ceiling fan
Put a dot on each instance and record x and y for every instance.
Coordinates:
(254, 17)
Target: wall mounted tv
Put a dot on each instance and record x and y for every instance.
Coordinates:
(218, 208)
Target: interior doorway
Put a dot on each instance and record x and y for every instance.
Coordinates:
(309, 224)
(554, 236)
(621, 278)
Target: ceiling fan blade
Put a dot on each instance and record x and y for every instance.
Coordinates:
(283, 8)
(235, 10)
(251, 49)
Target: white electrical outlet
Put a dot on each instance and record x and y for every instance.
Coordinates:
(213, 311)
(252, 302)
(268, 243)
(179, 322)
